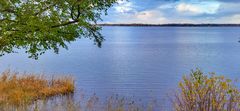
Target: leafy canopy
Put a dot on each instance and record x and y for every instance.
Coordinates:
(40, 25)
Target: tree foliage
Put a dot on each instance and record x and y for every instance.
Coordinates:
(40, 25)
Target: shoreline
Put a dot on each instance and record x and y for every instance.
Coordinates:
(173, 25)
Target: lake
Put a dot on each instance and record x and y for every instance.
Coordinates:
(139, 62)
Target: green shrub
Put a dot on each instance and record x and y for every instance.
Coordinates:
(202, 92)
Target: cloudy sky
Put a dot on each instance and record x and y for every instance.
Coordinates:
(174, 11)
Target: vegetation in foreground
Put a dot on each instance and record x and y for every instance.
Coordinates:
(200, 92)
(197, 92)
(18, 90)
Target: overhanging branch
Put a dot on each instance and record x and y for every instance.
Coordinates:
(8, 10)
(64, 24)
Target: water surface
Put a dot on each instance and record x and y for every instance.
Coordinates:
(144, 62)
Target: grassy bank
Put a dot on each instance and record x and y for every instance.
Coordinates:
(22, 89)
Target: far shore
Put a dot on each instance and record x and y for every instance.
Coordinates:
(173, 25)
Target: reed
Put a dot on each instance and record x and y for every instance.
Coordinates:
(23, 89)
(32, 92)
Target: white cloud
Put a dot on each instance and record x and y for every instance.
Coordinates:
(124, 6)
(188, 8)
(231, 19)
(127, 13)
(150, 16)
(176, 12)
(166, 6)
(147, 17)
(200, 8)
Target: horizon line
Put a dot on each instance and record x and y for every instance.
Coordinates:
(169, 24)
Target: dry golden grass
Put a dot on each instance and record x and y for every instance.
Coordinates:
(197, 92)
(18, 89)
(33, 92)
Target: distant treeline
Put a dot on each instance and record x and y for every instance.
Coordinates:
(175, 25)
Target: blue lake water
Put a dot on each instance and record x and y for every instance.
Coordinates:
(143, 62)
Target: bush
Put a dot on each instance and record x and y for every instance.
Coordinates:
(201, 92)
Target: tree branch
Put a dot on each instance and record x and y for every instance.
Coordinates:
(8, 10)
(64, 24)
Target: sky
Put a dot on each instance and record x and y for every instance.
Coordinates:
(174, 11)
